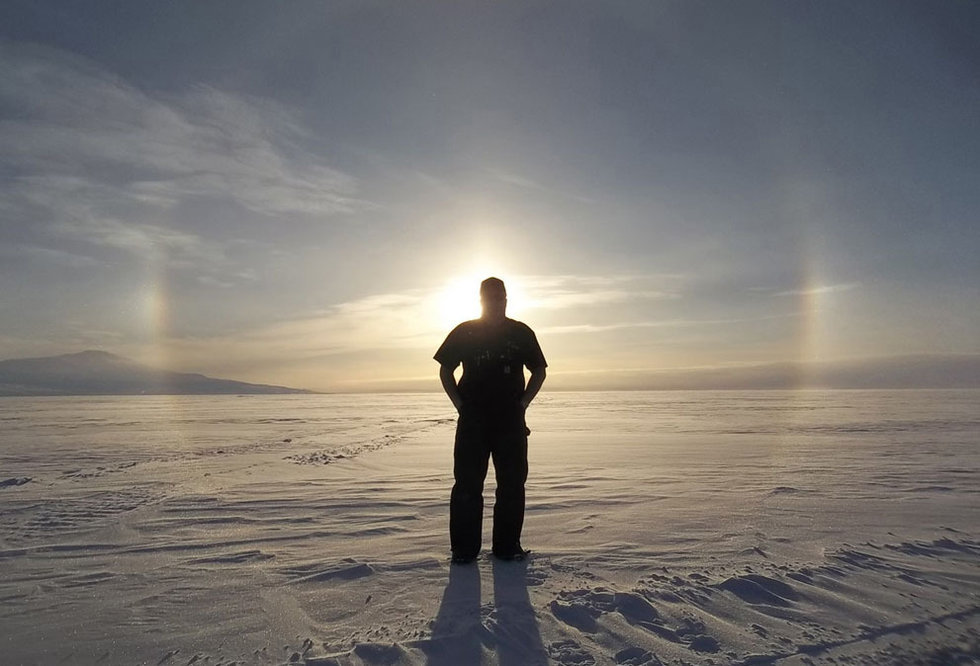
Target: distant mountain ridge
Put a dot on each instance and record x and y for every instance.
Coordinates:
(914, 371)
(101, 373)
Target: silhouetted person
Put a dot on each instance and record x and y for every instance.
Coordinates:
(491, 399)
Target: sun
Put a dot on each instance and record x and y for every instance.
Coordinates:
(459, 299)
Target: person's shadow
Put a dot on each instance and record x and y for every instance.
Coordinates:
(458, 631)
(518, 637)
(459, 634)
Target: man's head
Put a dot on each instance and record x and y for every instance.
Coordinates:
(493, 298)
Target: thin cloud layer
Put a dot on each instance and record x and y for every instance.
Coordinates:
(265, 198)
(820, 289)
(74, 129)
(379, 337)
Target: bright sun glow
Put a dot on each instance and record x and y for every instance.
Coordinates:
(459, 299)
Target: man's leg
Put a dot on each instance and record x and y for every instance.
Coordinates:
(471, 454)
(510, 467)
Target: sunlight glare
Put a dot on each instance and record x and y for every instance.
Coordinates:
(459, 299)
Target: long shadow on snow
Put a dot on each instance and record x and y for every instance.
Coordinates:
(459, 632)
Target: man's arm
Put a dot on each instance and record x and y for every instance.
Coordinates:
(449, 385)
(533, 385)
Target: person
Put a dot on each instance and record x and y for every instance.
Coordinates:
(491, 399)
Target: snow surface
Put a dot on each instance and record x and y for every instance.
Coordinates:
(775, 527)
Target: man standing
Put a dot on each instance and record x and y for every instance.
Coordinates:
(491, 399)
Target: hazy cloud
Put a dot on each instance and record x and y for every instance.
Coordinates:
(822, 289)
(411, 319)
(517, 180)
(67, 120)
(666, 323)
(44, 254)
(570, 291)
(266, 191)
(144, 239)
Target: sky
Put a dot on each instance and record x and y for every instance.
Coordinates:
(308, 193)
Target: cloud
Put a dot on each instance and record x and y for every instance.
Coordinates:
(519, 181)
(392, 335)
(115, 144)
(560, 300)
(822, 289)
(87, 213)
(569, 291)
(143, 239)
(380, 321)
(404, 320)
(666, 323)
(48, 255)
(516, 180)
(411, 318)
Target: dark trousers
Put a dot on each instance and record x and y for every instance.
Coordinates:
(501, 435)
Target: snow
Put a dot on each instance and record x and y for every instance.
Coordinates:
(667, 528)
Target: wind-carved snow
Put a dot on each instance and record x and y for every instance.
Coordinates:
(666, 528)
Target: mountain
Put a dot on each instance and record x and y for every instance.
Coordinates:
(102, 373)
(920, 371)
